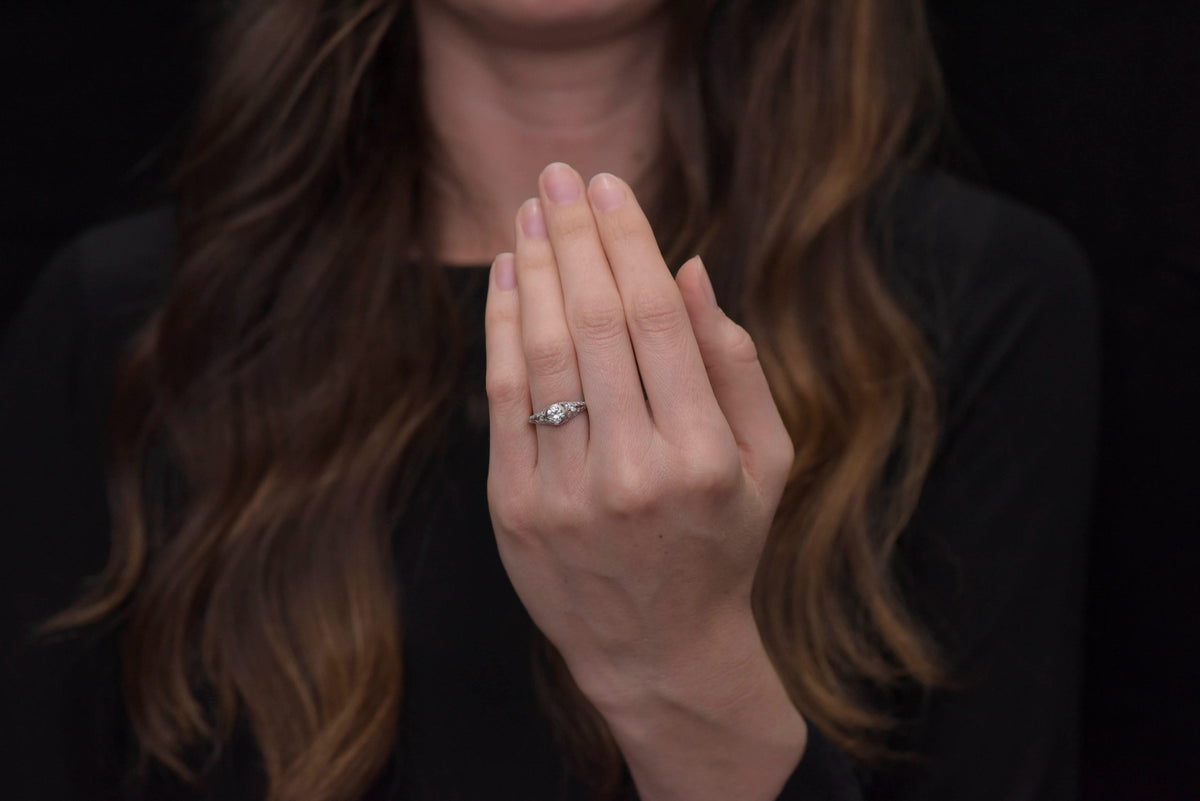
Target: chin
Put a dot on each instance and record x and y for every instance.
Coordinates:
(541, 21)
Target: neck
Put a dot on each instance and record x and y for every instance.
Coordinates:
(502, 108)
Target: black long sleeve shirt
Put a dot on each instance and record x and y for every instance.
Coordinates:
(993, 560)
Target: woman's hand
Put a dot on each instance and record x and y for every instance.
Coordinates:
(632, 532)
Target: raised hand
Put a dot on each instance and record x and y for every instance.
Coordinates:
(632, 532)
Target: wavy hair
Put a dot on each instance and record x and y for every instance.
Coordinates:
(292, 375)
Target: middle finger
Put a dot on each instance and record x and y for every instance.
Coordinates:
(595, 315)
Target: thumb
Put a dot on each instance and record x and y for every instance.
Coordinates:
(737, 378)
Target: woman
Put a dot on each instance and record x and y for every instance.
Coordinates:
(832, 552)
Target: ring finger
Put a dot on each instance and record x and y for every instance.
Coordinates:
(549, 351)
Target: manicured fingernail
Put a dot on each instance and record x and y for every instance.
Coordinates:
(533, 223)
(707, 282)
(561, 183)
(504, 271)
(606, 192)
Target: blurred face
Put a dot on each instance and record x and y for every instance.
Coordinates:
(547, 22)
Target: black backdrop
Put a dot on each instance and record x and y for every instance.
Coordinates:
(1087, 110)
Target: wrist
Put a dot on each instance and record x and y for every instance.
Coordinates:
(711, 720)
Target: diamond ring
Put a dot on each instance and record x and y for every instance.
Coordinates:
(558, 413)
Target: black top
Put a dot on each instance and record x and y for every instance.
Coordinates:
(994, 559)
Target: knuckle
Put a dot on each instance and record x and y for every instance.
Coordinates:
(561, 512)
(573, 223)
(627, 492)
(599, 322)
(549, 356)
(563, 508)
(621, 228)
(773, 469)
(657, 313)
(510, 508)
(784, 466)
(716, 481)
(505, 386)
(499, 314)
(712, 472)
(787, 453)
(739, 345)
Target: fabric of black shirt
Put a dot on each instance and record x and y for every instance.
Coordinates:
(993, 560)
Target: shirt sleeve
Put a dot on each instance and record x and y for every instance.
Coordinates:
(995, 556)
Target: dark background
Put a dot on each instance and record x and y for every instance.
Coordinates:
(1089, 111)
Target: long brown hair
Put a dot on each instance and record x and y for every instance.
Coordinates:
(291, 377)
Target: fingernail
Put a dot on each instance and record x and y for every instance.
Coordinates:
(561, 183)
(533, 223)
(707, 282)
(606, 192)
(504, 271)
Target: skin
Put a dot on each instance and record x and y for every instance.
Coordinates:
(631, 533)
(505, 97)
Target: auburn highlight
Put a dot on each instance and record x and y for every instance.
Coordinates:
(272, 416)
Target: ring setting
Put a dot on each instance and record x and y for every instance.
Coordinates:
(558, 413)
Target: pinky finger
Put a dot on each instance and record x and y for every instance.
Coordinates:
(513, 451)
